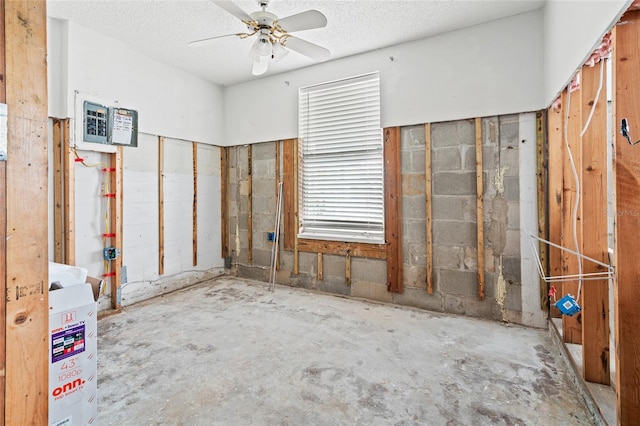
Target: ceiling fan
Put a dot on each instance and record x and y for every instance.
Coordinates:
(273, 39)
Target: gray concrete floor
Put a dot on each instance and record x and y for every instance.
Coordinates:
(229, 352)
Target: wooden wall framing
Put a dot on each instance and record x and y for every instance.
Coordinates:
(160, 205)
(626, 99)
(24, 264)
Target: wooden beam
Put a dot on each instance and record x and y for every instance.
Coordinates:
(3, 232)
(58, 176)
(296, 254)
(320, 275)
(289, 196)
(554, 191)
(69, 185)
(224, 204)
(116, 225)
(277, 182)
(250, 205)
(194, 146)
(480, 209)
(27, 310)
(161, 205)
(595, 299)
(372, 251)
(393, 208)
(347, 272)
(571, 325)
(429, 207)
(541, 174)
(626, 72)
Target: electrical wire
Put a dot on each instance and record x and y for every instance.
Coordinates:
(577, 184)
(107, 222)
(575, 172)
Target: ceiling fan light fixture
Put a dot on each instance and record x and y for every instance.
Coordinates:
(261, 47)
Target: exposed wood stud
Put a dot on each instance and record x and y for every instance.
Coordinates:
(626, 101)
(250, 205)
(555, 194)
(429, 207)
(224, 204)
(69, 185)
(161, 205)
(347, 273)
(595, 300)
(320, 276)
(571, 325)
(288, 153)
(393, 208)
(26, 293)
(58, 176)
(296, 254)
(479, 209)
(116, 225)
(3, 232)
(541, 127)
(194, 146)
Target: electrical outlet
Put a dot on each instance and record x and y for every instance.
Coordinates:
(271, 237)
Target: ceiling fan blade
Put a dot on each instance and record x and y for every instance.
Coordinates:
(303, 21)
(306, 48)
(233, 9)
(204, 40)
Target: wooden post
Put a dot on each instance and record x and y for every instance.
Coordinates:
(554, 190)
(429, 207)
(480, 208)
(116, 225)
(296, 254)
(626, 101)
(26, 322)
(320, 275)
(541, 129)
(347, 273)
(194, 146)
(3, 232)
(250, 206)
(69, 198)
(160, 205)
(288, 193)
(571, 326)
(595, 299)
(224, 204)
(58, 176)
(393, 208)
(277, 182)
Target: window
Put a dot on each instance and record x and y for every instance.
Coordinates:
(341, 177)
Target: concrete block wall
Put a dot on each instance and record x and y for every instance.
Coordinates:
(454, 224)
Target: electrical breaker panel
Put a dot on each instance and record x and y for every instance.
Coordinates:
(95, 123)
(109, 125)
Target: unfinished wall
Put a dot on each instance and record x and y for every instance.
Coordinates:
(453, 173)
(142, 278)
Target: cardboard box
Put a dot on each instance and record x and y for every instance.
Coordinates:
(73, 344)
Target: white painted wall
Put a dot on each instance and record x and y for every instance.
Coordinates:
(170, 102)
(488, 69)
(572, 29)
(57, 32)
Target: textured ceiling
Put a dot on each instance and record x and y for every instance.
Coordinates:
(161, 29)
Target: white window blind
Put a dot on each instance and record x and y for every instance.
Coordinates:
(341, 184)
